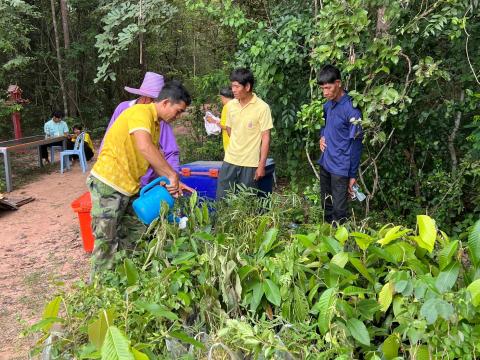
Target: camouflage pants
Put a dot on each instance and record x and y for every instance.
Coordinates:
(108, 223)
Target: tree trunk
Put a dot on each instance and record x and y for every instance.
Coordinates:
(453, 135)
(59, 58)
(72, 106)
(409, 154)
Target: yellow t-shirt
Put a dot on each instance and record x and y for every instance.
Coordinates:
(247, 125)
(88, 141)
(223, 121)
(120, 164)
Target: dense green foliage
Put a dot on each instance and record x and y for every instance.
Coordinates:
(411, 66)
(268, 281)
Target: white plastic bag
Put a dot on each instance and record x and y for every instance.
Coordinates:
(212, 128)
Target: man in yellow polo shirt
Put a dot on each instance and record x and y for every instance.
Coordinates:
(129, 148)
(249, 122)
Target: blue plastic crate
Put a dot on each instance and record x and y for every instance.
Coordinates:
(206, 183)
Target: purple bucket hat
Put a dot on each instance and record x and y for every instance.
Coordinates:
(151, 86)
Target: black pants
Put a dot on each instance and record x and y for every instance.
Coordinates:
(44, 149)
(232, 175)
(86, 148)
(334, 194)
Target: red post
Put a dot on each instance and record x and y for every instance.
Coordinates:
(17, 127)
(16, 98)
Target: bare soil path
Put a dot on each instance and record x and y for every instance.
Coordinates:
(40, 246)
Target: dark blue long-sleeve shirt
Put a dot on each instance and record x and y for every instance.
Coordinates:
(342, 136)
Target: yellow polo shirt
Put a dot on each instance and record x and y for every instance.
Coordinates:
(223, 121)
(120, 164)
(247, 124)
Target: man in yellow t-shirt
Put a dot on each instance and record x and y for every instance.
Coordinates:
(129, 148)
(249, 122)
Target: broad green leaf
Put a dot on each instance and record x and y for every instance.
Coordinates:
(98, 328)
(245, 270)
(429, 311)
(359, 331)
(268, 241)
(183, 257)
(422, 353)
(272, 292)
(260, 231)
(340, 259)
(390, 347)
(363, 240)
(385, 297)
(157, 310)
(367, 308)
(355, 290)
(393, 234)
(51, 311)
(446, 254)
(116, 345)
(130, 271)
(325, 307)
(180, 335)
(427, 232)
(474, 289)
(474, 243)
(184, 297)
(361, 268)
(306, 240)
(448, 277)
(44, 324)
(433, 308)
(341, 234)
(138, 355)
(333, 245)
(401, 251)
(257, 295)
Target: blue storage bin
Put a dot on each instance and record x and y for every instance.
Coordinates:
(203, 176)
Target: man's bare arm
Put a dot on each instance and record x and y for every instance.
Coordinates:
(143, 142)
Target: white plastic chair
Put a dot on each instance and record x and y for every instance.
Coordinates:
(78, 150)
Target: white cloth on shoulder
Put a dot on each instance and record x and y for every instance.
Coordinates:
(212, 128)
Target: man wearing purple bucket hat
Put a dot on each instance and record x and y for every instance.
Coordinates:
(151, 86)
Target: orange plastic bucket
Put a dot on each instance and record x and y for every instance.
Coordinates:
(82, 207)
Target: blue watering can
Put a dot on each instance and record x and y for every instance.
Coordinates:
(147, 206)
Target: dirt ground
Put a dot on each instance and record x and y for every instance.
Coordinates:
(40, 247)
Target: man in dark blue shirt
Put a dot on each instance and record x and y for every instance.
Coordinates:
(340, 143)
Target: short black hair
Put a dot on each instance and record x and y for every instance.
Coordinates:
(226, 92)
(58, 114)
(174, 91)
(243, 76)
(78, 127)
(328, 75)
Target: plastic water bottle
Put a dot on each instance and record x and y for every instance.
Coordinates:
(358, 195)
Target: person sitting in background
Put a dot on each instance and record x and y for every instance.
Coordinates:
(87, 145)
(226, 95)
(53, 128)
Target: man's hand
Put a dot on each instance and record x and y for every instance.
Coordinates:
(174, 186)
(184, 187)
(211, 120)
(323, 144)
(350, 186)
(259, 173)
